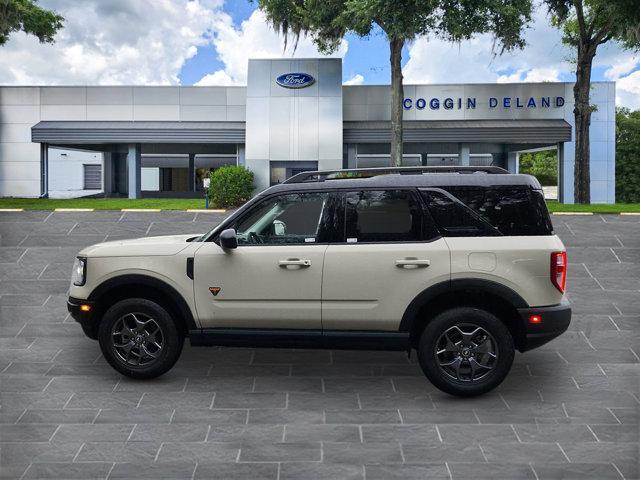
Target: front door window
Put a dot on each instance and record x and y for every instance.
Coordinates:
(285, 220)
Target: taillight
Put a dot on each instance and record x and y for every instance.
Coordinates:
(559, 270)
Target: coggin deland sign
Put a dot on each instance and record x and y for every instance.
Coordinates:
(302, 80)
(469, 103)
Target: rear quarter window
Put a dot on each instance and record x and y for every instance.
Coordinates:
(510, 210)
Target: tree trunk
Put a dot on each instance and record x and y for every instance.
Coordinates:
(582, 115)
(397, 98)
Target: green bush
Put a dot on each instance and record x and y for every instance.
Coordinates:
(230, 186)
(542, 165)
(627, 156)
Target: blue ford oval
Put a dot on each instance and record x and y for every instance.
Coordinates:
(295, 80)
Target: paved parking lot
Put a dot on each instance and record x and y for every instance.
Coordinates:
(567, 410)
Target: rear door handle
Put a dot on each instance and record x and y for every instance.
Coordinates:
(297, 262)
(412, 262)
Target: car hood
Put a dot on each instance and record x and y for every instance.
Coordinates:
(136, 247)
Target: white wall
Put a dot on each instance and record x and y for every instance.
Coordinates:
(150, 179)
(66, 171)
(23, 107)
(19, 158)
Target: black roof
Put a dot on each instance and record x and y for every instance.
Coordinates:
(424, 180)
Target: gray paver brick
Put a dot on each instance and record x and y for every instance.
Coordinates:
(309, 410)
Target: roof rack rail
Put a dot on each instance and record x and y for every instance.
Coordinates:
(349, 173)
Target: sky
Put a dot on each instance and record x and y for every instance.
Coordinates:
(208, 42)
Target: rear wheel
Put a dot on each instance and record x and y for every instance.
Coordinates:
(466, 351)
(139, 338)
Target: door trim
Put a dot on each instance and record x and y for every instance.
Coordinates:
(293, 338)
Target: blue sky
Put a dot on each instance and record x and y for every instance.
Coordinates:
(368, 56)
(208, 42)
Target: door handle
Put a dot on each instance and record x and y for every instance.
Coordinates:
(412, 262)
(295, 262)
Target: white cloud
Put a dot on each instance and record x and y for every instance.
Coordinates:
(531, 75)
(628, 91)
(115, 42)
(253, 39)
(357, 79)
(622, 65)
(219, 77)
(435, 61)
(545, 58)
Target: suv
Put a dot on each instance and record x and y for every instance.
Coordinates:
(460, 264)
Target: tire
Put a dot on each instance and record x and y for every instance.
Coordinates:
(130, 332)
(451, 362)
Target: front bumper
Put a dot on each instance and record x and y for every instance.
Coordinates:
(85, 319)
(555, 321)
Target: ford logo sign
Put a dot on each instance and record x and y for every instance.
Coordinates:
(295, 80)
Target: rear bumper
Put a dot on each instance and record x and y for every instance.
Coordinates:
(85, 319)
(555, 321)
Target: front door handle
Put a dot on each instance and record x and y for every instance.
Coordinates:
(295, 262)
(412, 263)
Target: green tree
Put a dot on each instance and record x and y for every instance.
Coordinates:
(328, 21)
(542, 165)
(587, 24)
(627, 156)
(28, 17)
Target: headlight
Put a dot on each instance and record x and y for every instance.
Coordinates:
(79, 274)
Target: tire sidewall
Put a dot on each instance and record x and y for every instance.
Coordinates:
(172, 337)
(449, 318)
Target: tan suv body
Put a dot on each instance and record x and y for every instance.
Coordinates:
(463, 266)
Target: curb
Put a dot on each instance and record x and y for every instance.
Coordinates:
(202, 210)
(140, 210)
(73, 209)
(11, 209)
(630, 213)
(572, 213)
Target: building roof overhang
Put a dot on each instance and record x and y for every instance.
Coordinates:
(437, 131)
(88, 132)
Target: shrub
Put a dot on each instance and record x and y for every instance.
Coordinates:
(627, 156)
(542, 165)
(230, 186)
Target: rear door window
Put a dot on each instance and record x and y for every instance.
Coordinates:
(385, 216)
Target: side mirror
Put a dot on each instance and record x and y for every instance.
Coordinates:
(228, 239)
(279, 228)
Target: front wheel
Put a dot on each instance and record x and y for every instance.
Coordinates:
(139, 338)
(466, 351)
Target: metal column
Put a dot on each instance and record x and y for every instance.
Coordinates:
(44, 170)
(240, 155)
(560, 172)
(134, 165)
(464, 152)
(192, 172)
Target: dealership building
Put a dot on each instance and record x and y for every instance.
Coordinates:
(293, 115)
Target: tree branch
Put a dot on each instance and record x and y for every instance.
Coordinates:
(580, 14)
(604, 34)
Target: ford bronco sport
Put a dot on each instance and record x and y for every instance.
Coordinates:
(460, 264)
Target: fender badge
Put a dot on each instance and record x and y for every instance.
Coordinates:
(215, 290)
